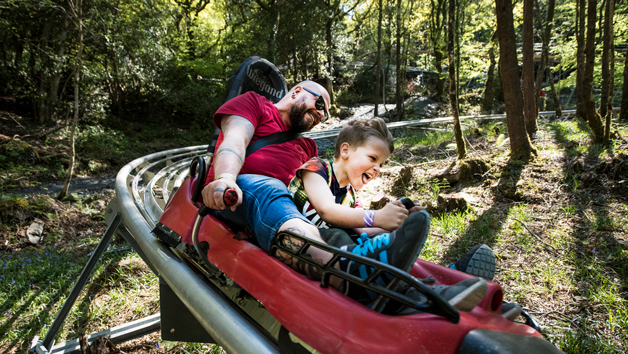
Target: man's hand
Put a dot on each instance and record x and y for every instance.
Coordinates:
(213, 194)
(391, 216)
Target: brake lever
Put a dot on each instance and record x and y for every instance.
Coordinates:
(230, 198)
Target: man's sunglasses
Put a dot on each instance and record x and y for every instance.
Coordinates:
(319, 104)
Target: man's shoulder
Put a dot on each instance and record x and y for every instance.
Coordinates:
(309, 145)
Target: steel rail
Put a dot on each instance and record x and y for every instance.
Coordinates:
(154, 209)
(332, 132)
(217, 316)
(145, 171)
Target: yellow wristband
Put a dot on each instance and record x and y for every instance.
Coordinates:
(225, 175)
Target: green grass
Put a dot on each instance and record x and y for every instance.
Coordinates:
(424, 138)
(35, 283)
(578, 294)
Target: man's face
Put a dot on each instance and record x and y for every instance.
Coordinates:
(302, 117)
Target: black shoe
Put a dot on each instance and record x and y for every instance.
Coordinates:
(511, 310)
(463, 296)
(400, 249)
(480, 261)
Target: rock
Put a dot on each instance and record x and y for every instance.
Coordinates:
(403, 182)
(345, 113)
(133, 264)
(379, 201)
(464, 172)
(447, 203)
(35, 231)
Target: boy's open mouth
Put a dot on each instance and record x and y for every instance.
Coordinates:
(366, 178)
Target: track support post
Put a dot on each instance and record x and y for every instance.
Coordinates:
(45, 346)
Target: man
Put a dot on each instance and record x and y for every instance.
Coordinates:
(260, 180)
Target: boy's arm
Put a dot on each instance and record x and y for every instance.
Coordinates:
(321, 198)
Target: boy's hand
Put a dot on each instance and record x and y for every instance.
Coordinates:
(416, 207)
(391, 216)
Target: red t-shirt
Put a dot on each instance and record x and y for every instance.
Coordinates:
(279, 160)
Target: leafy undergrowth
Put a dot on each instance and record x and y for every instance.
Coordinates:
(558, 225)
(31, 155)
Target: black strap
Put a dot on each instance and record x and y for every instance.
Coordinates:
(272, 139)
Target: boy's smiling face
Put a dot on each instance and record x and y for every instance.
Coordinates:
(363, 164)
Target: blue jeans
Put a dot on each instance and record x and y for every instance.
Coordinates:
(266, 206)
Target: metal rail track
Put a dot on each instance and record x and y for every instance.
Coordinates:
(330, 133)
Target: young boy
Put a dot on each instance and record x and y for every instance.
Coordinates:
(325, 193)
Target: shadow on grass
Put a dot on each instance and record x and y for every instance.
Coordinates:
(489, 224)
(600, 265)
(47, 289)
(37, 321)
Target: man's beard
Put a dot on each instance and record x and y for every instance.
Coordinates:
(297, 118)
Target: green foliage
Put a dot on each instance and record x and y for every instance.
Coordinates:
(102, 143)
(17, 152)
(348, 98)
(429, 138)
(194, 90)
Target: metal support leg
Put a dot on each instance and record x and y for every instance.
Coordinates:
(80, 284)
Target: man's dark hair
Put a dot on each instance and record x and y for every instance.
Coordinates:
(357, 132)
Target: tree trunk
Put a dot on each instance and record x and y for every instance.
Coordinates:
(529, 98)
(453, 94)
(438, 15)
(521, 147)
(398, 94)
(489, 86)
(550, 75)
(608, 69)
(56, 77)
(330, 61)
(438, 64)
(78, 10)
(379, 58)
(580, 25)
(595, 122)
(623, 115)
(272, 45)
(546, 40)
(42, 97)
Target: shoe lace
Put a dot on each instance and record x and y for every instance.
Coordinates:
(366, 245)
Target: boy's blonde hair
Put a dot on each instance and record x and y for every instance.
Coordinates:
(357, 132)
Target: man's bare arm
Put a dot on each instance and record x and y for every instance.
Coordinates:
(238, 132)
(229, 158)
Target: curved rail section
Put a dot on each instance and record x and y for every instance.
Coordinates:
(139, 188)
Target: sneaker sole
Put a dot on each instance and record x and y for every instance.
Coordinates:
(470, 297)
(419, 246)
(513, 313)
(482, 264)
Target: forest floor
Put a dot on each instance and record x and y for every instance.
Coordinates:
(558, 225)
